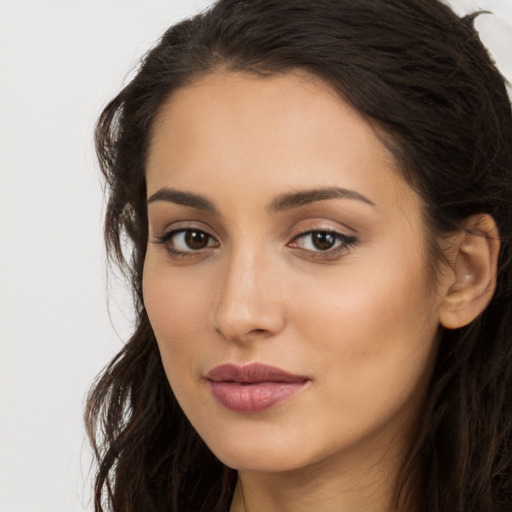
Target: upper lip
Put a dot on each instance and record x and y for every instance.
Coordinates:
(252, 372)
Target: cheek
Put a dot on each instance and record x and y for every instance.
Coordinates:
(177, 311)
(372, 333)
(356, 304)
(372, 349)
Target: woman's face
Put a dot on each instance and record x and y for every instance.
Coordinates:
(286, 277)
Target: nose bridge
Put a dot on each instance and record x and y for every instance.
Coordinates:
(247, 303)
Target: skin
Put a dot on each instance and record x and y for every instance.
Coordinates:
(360, 320)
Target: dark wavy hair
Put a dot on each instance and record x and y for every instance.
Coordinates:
(421, 76)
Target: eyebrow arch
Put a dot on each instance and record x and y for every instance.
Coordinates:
(183, 198)
(280, 203)
(296, 199)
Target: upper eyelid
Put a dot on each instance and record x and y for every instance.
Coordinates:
(166, 237)
(322, 226)
(309, 226)
(174, 231)
(339, 234)
(186, 225)
(320, 230)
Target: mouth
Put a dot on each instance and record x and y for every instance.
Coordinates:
(253, 387)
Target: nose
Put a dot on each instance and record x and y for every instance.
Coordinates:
(248, 305)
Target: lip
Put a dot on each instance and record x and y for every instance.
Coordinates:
(253, 387)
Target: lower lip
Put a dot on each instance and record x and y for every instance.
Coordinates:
(247, 398)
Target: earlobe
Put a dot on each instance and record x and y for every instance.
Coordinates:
(473, 276)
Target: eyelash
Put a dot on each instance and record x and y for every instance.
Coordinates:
(343, 243)
(166, 238)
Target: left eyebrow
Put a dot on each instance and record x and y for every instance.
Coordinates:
(294, 200)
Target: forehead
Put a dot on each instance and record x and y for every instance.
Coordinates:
(269, 135)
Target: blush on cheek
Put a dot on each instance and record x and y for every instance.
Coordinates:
(166, 304)
(367, 318)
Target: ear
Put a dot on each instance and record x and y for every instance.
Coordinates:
(472, 278)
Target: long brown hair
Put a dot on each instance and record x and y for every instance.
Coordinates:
(421, 75)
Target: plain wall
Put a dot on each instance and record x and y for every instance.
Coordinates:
(60, 62)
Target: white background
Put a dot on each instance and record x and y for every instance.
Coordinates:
(60, 62)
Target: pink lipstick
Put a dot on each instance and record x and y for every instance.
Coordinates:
(253, 387)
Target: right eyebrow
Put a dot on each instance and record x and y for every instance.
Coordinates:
(183, 198)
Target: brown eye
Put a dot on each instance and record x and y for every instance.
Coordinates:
(330, 242)
(187, 241)
(323, 240)
(196, 239)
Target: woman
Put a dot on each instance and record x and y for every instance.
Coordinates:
(317, 200)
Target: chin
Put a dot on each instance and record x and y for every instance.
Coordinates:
(251, 450)
(259, 460)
